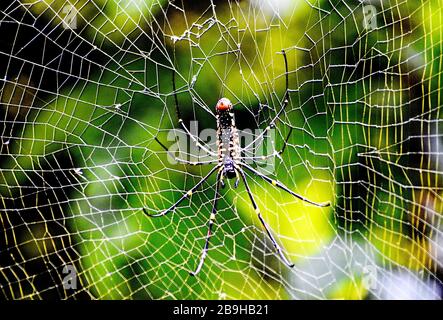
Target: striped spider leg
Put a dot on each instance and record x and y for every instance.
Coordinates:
(230, 164)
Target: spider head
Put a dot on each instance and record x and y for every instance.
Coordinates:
(223, 104)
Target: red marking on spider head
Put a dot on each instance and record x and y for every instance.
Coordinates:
(223, 105)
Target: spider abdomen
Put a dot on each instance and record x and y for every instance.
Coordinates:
(227, 142)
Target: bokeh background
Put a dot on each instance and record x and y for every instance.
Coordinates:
(86, 86)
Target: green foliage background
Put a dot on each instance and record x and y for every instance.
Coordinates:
(352, 145)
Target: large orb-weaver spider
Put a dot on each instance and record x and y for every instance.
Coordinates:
(230, 165)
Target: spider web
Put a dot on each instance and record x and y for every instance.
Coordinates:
(86, 87)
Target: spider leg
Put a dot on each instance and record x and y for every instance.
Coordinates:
(183, 197)
(283, 106)
(237, 179)
(285, 143)
(282, 186)
(180, 121)
(210, 224)
(193, 163)
(268, 231)
(222, 180)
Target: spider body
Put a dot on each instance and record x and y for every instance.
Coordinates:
(231, 164)
(228, 145)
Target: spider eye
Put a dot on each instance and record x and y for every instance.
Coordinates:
(223, 104)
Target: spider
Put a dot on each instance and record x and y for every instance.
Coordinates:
(230, 164)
